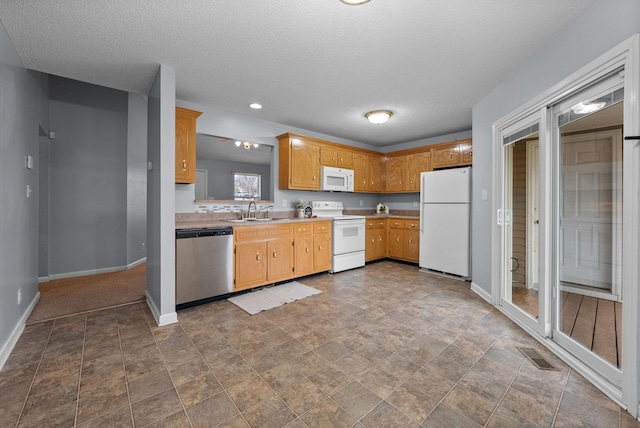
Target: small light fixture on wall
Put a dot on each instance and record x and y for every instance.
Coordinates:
(354, 2)
(378, 116)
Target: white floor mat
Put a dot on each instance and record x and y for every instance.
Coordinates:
(269, 298)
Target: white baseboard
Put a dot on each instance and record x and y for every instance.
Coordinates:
(54, 276)
(161, 320)
(480, 292)
(42, 279)
(136, 263)
(8, 346)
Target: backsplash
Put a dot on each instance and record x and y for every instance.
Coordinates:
(230, 206)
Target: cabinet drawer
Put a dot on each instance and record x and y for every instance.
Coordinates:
(396, 224)
(370, 224)
(321, 227)
(412, 224)
(302, 229)
(260, 232)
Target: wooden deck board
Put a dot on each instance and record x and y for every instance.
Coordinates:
(570, 308)
(618, 310)
(585, 322)
(604, 342)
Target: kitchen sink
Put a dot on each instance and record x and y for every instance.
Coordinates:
(244, 220)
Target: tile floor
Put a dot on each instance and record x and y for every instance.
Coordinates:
(383, 346)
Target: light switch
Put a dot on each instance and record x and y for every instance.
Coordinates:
(284, 203)
(483, 194)
(29, 162)
(29, 191)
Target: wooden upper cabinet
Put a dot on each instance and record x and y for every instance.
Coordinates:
(455, 153)
(186, 145)
(299, 163)
(416, 164)
(345, 159)
(328, 155)
(360, 172)
(376, 174)
(395, 173)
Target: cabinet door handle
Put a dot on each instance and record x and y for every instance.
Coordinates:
(398, 239)
(314, 178)
(257, 257)
(380, 239)
(333, 158)
(274, 254)
(410, 240)
(400, 181)
(307, 249)
(395, 224)
(450, 155)
(319, 247)
(184, 165)
(470, 153)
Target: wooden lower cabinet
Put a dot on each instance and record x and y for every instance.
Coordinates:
(321, 246)
(375, 239)
(266, 254)
(393, 238)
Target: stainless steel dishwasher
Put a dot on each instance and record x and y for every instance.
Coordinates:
(204, 264)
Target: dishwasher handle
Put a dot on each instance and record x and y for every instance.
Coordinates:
(198, 233)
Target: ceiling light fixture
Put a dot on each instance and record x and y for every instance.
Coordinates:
(586, 107)
(247, 145)
(378, 116)
(255, 106)
(354, 2)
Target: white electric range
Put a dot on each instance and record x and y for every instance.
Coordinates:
(347, 235)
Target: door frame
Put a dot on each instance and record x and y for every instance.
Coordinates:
(533, 178)
(627, 55)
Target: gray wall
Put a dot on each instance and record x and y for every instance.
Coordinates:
(136, 178)
(601, 27)
(21, 96)
(88, 177)
(220, 177)
(161, 135)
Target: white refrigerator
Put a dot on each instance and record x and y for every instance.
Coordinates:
(445, 213)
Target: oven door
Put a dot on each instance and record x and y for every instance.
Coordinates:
(348, 236)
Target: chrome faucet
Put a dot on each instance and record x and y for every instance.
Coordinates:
(249, 209)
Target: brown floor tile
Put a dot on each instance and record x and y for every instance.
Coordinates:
(143, 367)
(331, 351)
(312, 339)
(588, 410)
(234, 373)
(506, 418)
(281, 376)
(101, 404)
(177, 420)
(156, 408)
(470, 404)
(302, 396)
(62, 416)
(198, 389)
(525, 406)
(149, 385)
(412, 402)
(120, 418)
(40, 401)
(9, 413)
(330, 379)
(290, 350)
(354, 364)
(328, 414)
(434, 385)
(579, 385)
(212, 411)
(399, 366)
(356, 399)
(178, 350)
(265, 361)
(275, 337)
(235, 422)
(102, 383)
(271, 412)
(441, 366)
(249, 393)
(445, 417)
(476, 380)
(309, 363)
(387, 416)
(188, 371)
(380, 382)
(16, 392)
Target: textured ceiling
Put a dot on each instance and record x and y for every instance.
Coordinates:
(314, 64)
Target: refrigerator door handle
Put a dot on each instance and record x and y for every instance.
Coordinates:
(421, 220)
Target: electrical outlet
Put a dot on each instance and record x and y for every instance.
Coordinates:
(284, 203)
(19, 295)
(143, 246)
(415, 204)
(361, 202)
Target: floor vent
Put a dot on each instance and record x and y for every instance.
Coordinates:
(536, 358)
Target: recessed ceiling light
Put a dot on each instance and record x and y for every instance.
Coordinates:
(354, 2)
(378, 116)
(255, 106)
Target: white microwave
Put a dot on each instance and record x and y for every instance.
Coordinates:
(336, 179)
